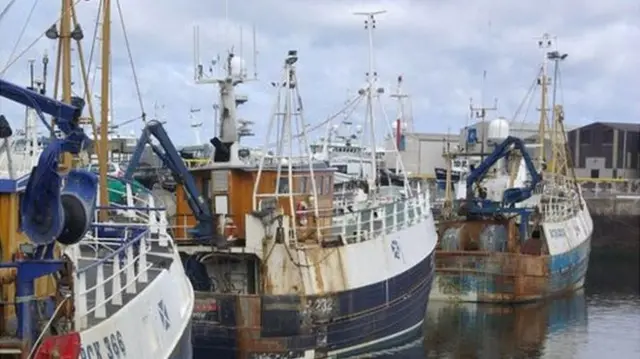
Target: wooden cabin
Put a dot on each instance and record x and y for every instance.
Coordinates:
(230, 192)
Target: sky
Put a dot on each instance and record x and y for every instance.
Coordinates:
(443, 50)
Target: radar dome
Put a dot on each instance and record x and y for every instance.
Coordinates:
(237, 65)
(498, 130)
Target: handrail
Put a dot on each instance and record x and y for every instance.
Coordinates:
(129, 243)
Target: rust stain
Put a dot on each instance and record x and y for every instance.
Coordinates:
(249, 322)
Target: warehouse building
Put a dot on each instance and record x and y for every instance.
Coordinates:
(421, 153)
(606, 150)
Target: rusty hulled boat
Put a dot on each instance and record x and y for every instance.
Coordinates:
(298, 278)
(522, 230)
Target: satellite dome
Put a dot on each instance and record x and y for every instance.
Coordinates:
(498, 130)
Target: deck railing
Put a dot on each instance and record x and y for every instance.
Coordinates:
(348, 223)
(112, 262)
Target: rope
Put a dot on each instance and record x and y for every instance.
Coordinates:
(133, 67)
(93, 46)
(31, 45)
(527, 97)
(6, 9)
(24, 28)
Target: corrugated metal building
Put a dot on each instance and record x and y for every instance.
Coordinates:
(422, 152)
(606, 150)
(526, 130)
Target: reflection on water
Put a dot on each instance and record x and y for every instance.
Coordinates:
(490, 331)
(603, 321)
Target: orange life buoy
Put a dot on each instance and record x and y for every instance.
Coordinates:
(301, 213)
(229, 229)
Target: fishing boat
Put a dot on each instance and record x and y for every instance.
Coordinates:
(82, 277)
(523, 230)
(283, 275)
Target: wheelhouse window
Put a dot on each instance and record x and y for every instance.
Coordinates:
(303, 184)
(283, 185)
(327, 185)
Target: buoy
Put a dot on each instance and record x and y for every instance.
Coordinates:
(301, 213)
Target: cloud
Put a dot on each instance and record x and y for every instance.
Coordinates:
(441, 47)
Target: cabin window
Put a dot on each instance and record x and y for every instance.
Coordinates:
(283, 186)
(327, 185)
(607, 137)
(319, 184)
(267, 204)
(342, 168)
(303, 185)
(221, 205)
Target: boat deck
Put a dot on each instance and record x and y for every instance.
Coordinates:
(158, 258)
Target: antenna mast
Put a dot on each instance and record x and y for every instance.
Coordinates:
(372, 78)
(559, 150)
(231, 76)
(544, 43)
(195, 124)
(288, 113)
(481, 114)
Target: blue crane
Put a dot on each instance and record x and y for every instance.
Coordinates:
(204, 231)
(49, 212)
(480, 207)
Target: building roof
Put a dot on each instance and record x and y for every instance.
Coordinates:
(622, 126)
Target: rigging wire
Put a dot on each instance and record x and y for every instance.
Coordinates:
(133, 67)
(6, 9)
(93, 45)
(32, 44)
(350, 106)
(527, 98)
(22, 31)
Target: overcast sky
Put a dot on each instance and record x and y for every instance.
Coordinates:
(441, 47)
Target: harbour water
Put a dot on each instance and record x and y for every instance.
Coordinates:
(602, 321)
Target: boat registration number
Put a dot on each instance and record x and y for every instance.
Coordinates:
(110, 347)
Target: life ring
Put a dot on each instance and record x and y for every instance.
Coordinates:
(229, 229)
(301, 213)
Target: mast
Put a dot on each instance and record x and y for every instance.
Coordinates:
(287, 114)
(195, 124)
(559, 151)
(65, 48)
(402, 123)
(544, 43)
(481, 114)
(372, 78)
(227, 134)
(104, 104)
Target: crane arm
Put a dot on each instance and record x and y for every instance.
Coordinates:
(67, 115)
(167, 152)
(511, 195)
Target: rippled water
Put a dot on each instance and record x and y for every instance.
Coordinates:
(602, 321)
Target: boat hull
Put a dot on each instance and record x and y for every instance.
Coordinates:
(369, 318)
(508, 278)
(154, 324)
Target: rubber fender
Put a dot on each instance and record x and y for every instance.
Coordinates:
(78, 199)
